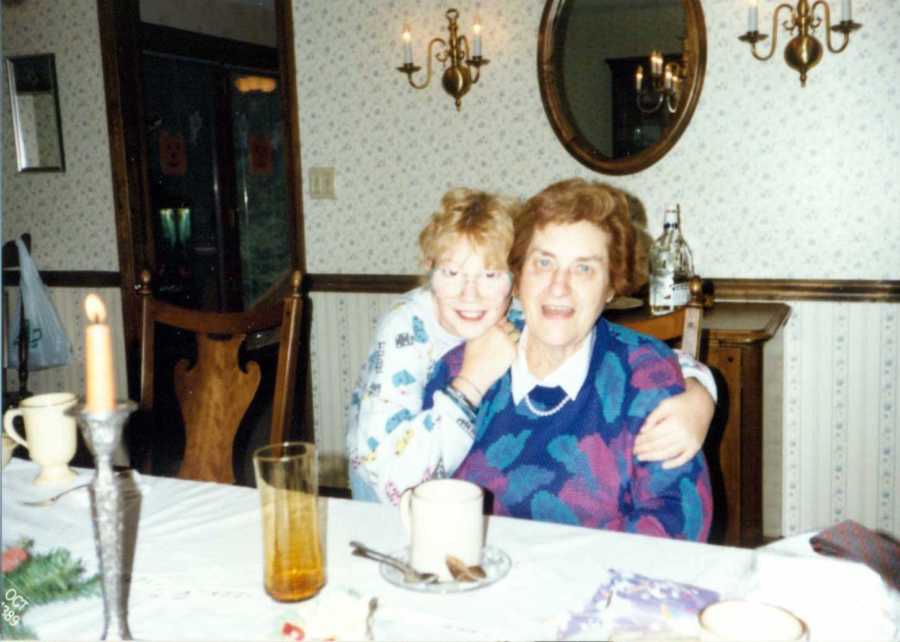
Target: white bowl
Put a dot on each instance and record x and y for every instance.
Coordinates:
(736, 620)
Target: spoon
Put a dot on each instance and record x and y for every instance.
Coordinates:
(49, 501)
(409, 573)
(53, 499)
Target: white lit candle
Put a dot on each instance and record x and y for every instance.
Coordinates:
(753, 16)
(845, 10)
(99, 373)
(639, 78)
(656, 61)
(476, 43)
(668, 81)
(407, 45)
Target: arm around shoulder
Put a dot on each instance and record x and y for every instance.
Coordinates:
(393, 440)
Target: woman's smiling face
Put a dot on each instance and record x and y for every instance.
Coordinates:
(564, 287)
(469, 295)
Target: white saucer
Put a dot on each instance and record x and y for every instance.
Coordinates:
(496, 565)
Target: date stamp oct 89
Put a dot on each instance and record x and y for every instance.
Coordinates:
(13, 604)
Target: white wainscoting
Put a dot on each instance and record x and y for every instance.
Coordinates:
(837, 457)
(841, 416)
(342, 327)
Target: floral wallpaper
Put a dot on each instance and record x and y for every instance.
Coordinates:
(69, 214)
(774, 181)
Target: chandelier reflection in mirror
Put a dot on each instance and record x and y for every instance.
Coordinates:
(461, 71)
(804, 51)
(665, 86)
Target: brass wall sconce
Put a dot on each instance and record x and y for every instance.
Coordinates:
(804, 51)
(666, 80)
(458, 76)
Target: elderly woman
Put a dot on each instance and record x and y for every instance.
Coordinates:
(555, 435)
(397, 436)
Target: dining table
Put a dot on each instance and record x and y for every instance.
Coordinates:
(196, 573)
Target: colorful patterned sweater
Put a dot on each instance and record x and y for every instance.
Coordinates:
(576, 465)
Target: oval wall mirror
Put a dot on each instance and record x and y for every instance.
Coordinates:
(620, 78)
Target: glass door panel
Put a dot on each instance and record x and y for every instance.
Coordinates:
(261, 191)
(180, 110)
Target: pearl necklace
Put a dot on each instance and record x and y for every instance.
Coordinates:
(546, 413)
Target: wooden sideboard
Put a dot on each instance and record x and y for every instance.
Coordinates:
(734, 337)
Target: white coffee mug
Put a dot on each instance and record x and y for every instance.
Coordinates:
(50, 434)
(735, 620)
(443, 517)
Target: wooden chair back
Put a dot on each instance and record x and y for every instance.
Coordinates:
(214, 392)
(684, 324)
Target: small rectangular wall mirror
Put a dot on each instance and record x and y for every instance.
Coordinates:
(35, 113)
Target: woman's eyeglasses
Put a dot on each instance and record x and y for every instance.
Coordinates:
(450, 282)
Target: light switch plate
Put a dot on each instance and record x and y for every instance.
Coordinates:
(321, 182)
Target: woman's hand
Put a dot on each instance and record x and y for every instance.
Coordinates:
(486, 359)
(674, 432)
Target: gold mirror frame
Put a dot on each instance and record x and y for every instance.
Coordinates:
(560, 116)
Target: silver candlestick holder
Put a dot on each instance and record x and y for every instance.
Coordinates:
(102, 432)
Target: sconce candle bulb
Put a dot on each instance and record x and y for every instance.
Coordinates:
(460, 70)
(803, 51)
(476, 41)
(665, 82)
(407, 45)
(753, 16)
(656, 60)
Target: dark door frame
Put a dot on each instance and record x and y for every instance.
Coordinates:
(119, 26)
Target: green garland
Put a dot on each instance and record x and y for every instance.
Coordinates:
(39, 579)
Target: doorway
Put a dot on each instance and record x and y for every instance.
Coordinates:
(205, 157)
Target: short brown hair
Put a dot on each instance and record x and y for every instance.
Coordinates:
(573, 201)
(486, 220)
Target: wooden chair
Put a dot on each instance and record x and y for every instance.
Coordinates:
(684, 324)
(214, 392)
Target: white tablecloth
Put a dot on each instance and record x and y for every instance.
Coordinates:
(197, 571)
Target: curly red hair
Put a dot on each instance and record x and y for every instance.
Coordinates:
(575, 200)
(485, 220)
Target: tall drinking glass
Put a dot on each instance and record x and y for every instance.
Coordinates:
(287, 480)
